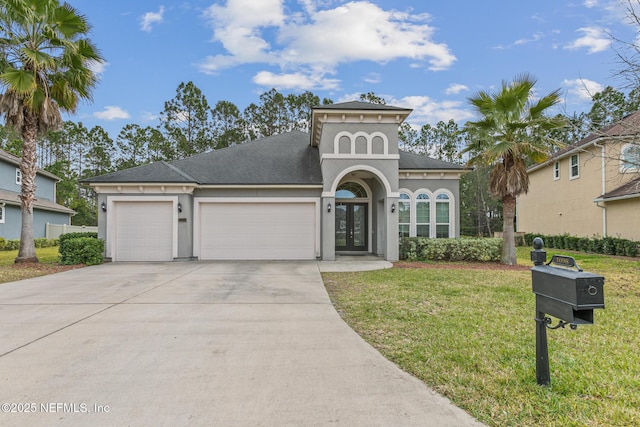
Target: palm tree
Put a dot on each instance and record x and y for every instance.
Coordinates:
(46, 65)
(513, 131)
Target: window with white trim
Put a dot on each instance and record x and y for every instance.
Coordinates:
(574, 168)
(1, 214)
(442, 216)
(630, 158)
(423, 215)
(556, 171)
(404, 215)
(18, 176)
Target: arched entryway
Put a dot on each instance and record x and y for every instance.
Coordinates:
(353, 206)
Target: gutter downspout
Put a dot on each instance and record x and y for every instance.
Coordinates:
(603, 191)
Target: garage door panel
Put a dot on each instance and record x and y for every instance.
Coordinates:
(257, 230)
(144, 231)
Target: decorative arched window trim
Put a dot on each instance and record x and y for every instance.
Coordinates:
(363, 185)
(413, 198)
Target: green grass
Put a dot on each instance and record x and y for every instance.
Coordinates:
(9, 271)
(470, 335)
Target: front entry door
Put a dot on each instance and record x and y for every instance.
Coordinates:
(351, 226)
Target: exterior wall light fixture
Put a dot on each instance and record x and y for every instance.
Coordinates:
(393, 207)
(103, 206)
(180, 207)
(329, 207)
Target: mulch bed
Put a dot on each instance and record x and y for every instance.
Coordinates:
(461, 265)
(45, 268)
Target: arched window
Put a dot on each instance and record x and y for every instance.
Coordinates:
(630, 158)
(351, 190)
(404, 215)
(443, 225)
(423, 215)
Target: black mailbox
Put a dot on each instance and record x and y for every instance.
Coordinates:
(569, 295)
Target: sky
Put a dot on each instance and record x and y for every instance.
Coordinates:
(427, 55)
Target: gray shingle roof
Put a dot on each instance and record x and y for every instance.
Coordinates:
(630, 189)
(280, 159)
(160, 172)
(359, 105)
(13, 198)
(283, 159)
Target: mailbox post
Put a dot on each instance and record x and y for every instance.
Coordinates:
(564, 291)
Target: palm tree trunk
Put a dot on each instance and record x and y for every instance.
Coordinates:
(28, 168)
(508, 236)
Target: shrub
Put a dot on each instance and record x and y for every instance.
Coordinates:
(64, 238)
(605, 245)
(425, 249)
(12, 245)
(3, 243)
(42, 242)
(81, 250)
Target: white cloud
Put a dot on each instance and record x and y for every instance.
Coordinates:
(456, 88)
(313, 42)
(582, 89)
(150, 18)
(594, 39)
(590, 3)
(294, 81)
(111, 112)
(147, 116)
(372, 78)
(98, 67)
(427, 110)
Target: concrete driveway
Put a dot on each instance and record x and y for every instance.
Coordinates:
(196, 344)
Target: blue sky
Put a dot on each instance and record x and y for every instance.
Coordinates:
(426, 55)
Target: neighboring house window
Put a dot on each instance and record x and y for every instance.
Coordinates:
(404, 215)
(423, 215)
(1, 214)
(630, 158)
(556, 170)
(18, 176)
(442, 216)
(575, 170)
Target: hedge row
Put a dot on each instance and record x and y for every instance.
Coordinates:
(14, 244)
(598, 245)
(81, 248)
(425, 249)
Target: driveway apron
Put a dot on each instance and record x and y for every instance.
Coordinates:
(196, 344)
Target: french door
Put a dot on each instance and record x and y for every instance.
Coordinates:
(351, 226)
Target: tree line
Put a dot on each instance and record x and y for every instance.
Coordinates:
(188, 125)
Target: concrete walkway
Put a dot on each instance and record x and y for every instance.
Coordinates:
(196, 344)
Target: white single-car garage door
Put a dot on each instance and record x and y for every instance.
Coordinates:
(144, 231)
(254, 231)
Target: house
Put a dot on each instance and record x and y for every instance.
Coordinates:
(591, 188)
(46, 210)
(345, 187)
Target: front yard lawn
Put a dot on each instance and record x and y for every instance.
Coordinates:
(48, 257)
(470, 335)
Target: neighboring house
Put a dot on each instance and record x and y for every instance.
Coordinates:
(343, 188)
(591, 188)
(46, 210)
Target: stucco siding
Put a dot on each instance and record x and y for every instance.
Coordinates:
(330, 130)
(565, 205)
(623, 219)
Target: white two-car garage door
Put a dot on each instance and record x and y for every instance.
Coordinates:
(144, 231)
(254, 231)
